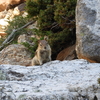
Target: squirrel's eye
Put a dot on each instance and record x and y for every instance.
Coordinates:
(40, 44)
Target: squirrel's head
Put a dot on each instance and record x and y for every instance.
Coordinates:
(43, 44)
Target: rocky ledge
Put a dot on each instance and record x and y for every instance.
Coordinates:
(56, 80)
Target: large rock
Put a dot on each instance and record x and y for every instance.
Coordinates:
(7, 4)
(15, 54)
(56, 80)
(88, 30)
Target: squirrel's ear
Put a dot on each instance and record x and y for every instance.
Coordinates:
(46, 38)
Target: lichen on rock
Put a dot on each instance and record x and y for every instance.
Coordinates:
(88, 30)
(15, 54)
(63, 80)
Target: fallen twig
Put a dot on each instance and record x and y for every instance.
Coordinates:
(12, 35)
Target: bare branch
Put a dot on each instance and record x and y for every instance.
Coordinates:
(67, 19)
(12, 35)
(55, 24)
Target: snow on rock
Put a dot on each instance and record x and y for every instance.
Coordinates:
(55, 80)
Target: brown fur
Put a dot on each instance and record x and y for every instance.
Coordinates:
(43, 53)
(68, 53)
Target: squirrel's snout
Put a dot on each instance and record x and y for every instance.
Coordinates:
(44, 47)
